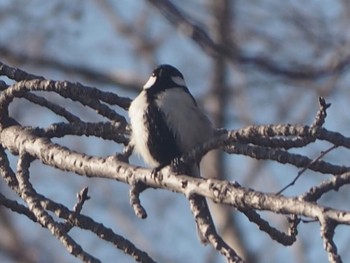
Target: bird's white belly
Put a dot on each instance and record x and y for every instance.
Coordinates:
(139, 136)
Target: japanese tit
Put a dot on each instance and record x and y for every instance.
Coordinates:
(167, 123)
(165, 119)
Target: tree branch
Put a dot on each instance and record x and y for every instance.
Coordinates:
(266, 142)
(28, 194)
(191, 29)
(15, 138)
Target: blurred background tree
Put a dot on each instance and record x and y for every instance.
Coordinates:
(246, 62)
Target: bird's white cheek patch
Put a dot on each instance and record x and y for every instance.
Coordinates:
(179, 81)
(150, 82)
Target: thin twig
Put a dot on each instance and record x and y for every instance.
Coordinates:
(275, 234)
(135, 202)
(323, 153)
(82, 197)
(322, 113)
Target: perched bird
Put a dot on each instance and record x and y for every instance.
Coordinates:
(167, 123)
(165, 119)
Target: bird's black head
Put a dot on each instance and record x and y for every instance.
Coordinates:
(164, 77)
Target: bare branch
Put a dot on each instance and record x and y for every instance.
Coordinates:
(28, 194)
(105, 130)
(206, 228)
(82, 197)
(210, 47)
(86, 96)
(327, 234)
(322, 112)
(275, 234)
(217, 190)
(61, 211)
(323, 153)
(135, 202)
(326, 186)
(263, 142)
(16, 207)
(86, 72)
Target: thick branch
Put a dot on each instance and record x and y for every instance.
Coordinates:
(16, 137)
(61, 211)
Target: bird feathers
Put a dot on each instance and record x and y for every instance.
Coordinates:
(184, 118)
(165, 119)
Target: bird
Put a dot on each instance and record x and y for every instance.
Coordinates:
(165, 119)
(166, 122)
